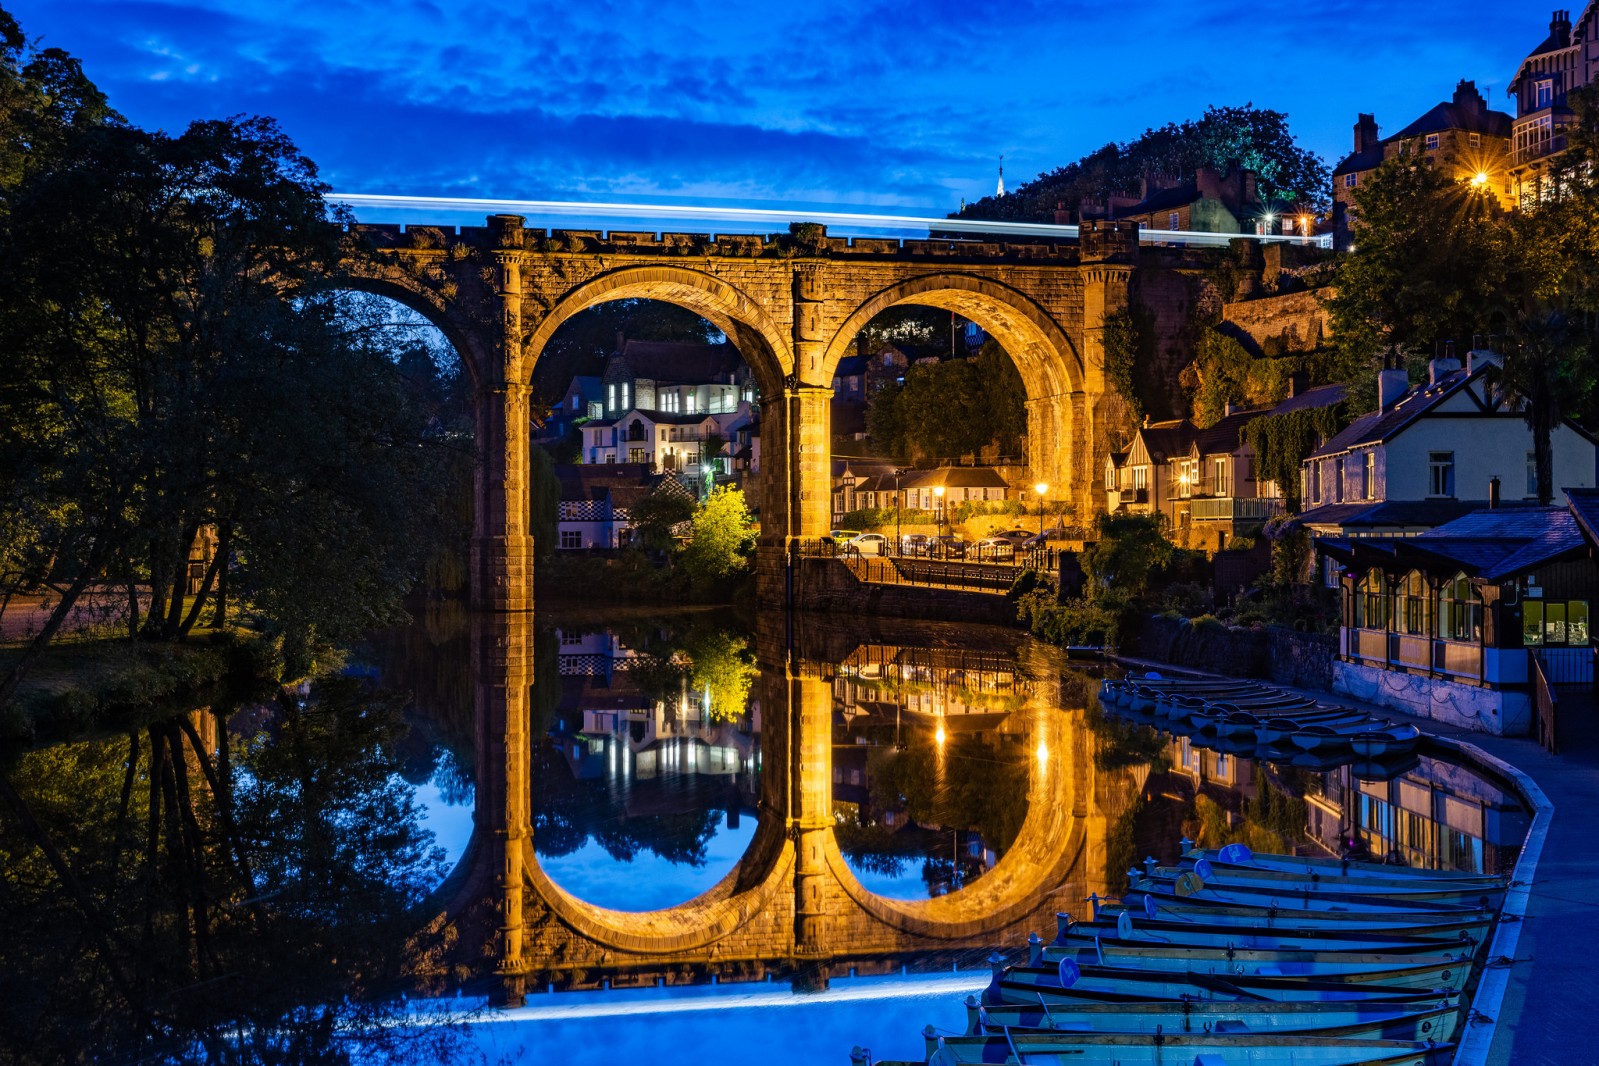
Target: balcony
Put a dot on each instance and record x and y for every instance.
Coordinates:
(1538, 150)
(1235, 509)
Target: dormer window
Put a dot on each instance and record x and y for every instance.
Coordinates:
(1543, 94)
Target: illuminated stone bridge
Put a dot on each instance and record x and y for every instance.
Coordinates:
(791, 907)
(792, 305)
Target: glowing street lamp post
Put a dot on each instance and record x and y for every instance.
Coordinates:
(1041, 488)
(938, 490)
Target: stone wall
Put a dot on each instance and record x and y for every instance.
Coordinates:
(828, 585)
(1294, 322)
(1481, 710)
(1286, 657)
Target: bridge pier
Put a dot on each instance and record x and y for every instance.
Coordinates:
(796, 490)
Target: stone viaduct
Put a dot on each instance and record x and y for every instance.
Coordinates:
(791, 907)
(792, 305)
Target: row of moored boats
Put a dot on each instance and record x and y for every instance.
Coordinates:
(1232, 958)
(1246, 715)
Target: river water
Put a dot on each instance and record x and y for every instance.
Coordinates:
(838, 824)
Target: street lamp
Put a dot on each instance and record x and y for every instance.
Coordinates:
(1040, 489)
(938, 490)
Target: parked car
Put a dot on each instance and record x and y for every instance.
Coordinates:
(1054, 533)
(995, 548)
(913, 544)
(844, 536)
(1014, 537)
(868, 544)
(947, 547)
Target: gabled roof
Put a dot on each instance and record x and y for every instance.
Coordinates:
(1389, 514)
(1165, 439)
(1165, 199)
(1377, 426)
(1319, 396)
(1492, 545)
(599, 481)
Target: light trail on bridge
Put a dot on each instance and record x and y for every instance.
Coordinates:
(658, 218)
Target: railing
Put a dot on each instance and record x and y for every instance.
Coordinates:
(1539, 149)
(1236, 508)
(993, 575)
(1546, 717)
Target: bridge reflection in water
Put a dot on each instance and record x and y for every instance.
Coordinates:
(827, 695)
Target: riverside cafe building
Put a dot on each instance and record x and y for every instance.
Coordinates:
(1447, 625)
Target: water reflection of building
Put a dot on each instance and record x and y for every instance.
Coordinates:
(610, 725)
(1436, 814)
(959, 704)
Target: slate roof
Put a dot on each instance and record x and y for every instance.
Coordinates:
(1385, 514)
(1493, 545)
(1319, 396)
(597, 481)
(956, 477)
(1378, 426)
(1369, 159)
(1446, 116)
(671, 361)
(1165, 199)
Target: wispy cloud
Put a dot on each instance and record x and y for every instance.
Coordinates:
(899, 102)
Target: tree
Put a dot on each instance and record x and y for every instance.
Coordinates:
(1550, 369)
(177, 354)
(722, 540)
(1432, 262)
(1127, 551)
(952, 408)
(1255, 138)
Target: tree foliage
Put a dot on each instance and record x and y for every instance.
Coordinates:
(1549, 366)
(1258, 139)
(178, 351)
(1282, 443)
(953, 408)
(1127, 552)
(721, 544)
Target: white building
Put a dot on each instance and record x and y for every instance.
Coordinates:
(1440, 449)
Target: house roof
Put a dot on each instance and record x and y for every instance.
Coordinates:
(1490, 544)
(1369, 159)
(599, 481)
(1450, 116)
(851, 365)
(1319, 396)
(670, 361)
(1389, 514)
(955, 477)
(1165, 199)
(1378, 426)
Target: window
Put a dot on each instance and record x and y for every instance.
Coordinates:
(1224, 480)
(1371, 602)
(610, 396)
(635, 455)
(1338, 480)
(1410, 614)
(1558, 622)
(1432, 142)
(635, 431)
(1351, 180)
(1532, 475)
(1441, 474)
(1368, 476)
(1459, 611)
(1474, 140)
(1174, 221)
(1315, 482)
(570, 637)
(1544, 94)
(571, 538)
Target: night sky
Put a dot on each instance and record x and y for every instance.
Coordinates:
(897, 105)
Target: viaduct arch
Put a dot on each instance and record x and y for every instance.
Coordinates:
(791, 907)
(791, 305)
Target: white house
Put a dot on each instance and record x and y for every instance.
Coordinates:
(669, 443)
(1440, 449)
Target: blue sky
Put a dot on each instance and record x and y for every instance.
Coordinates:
(893, 104)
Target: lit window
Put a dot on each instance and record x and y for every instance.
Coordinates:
(1371, 602)
(1459, 610)
(1174, 221)
(1368, 476)
(1441, 474)
(1411, 614)
(1474, 140)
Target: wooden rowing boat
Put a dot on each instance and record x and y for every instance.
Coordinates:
(1023, 984)
(1421, 1017)
(1166, 1049)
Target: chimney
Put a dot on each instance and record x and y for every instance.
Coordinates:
(1442, 365)
(621, 340)
(1560, 28)
(1468, 101)
(1208, 182)
(1230, 409)
(1063, 217)
(1478, 358)
(1366, 132)
(1298, 381)
(1392, 381)
(860, 343)
(1493, 493)
(1251, 188)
